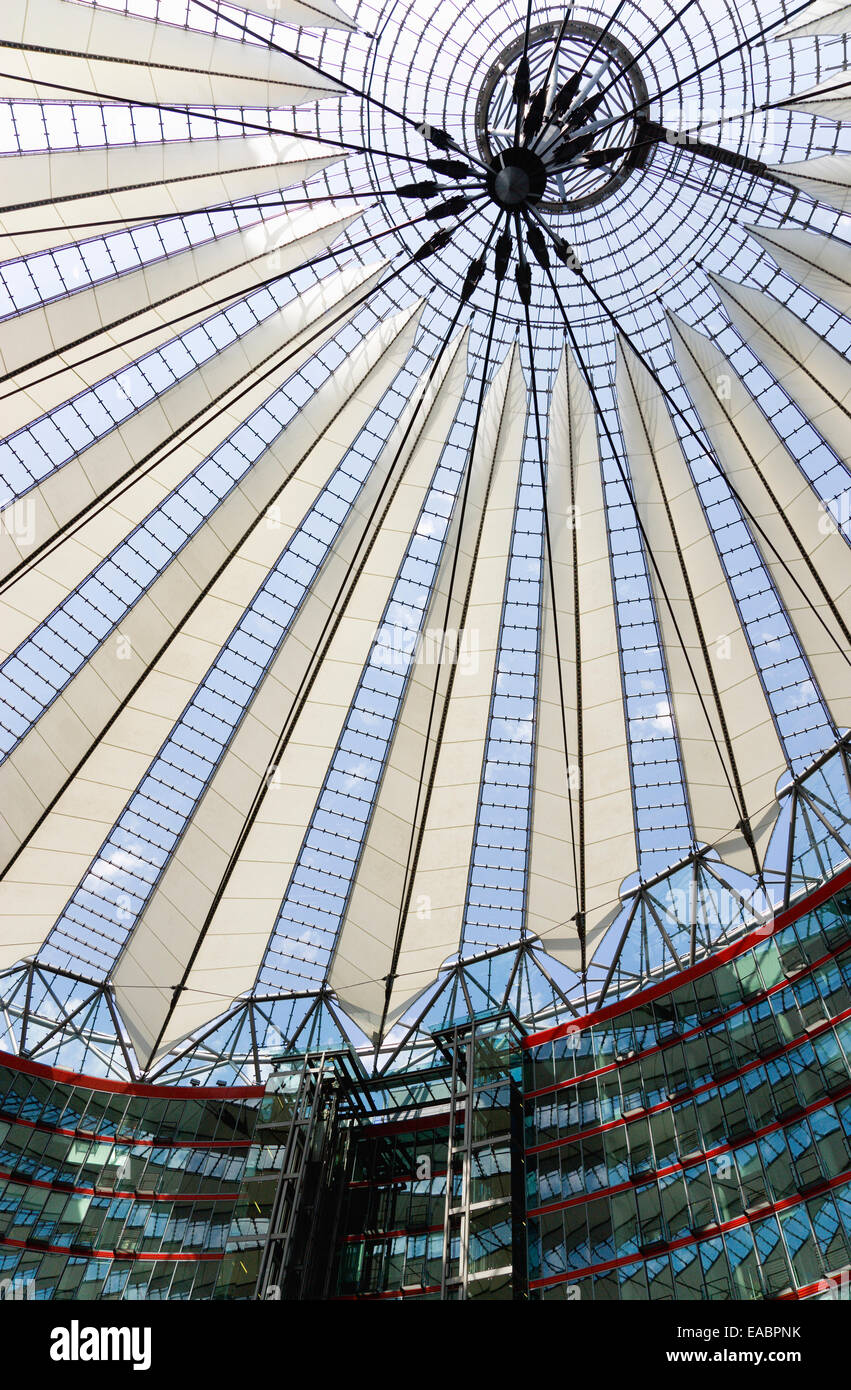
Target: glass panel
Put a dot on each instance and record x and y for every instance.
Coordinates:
(490, 1172)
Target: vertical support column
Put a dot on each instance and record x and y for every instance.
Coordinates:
(291, 1171)
(484, 1250)
(454, 1154)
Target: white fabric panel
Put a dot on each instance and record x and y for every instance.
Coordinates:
(814, 374)
(824, 17)
(289, 477)
(827, 178)
(699, 616)
(821, 263)
(792, 522)
(445, 852)
(134, 59)
(323, 15)
(163, 943)
(144, 301)
(32, 597)
(238, 932)
(384, 877)
(568, 874)
(427, 893)
(59, 189)
(133, 447)
(37, 769)
(831, 98)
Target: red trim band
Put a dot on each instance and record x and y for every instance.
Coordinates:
(212, 1145)
(695, 1091)
(127, 1088)
(67, 1190)
(737, 1221)
(694, 972)
(704, 1155)
(81, 1252)
(701, 1028)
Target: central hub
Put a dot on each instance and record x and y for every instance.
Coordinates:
(517, 178)
(582, 152)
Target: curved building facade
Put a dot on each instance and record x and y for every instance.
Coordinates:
(113, 1191)
(692, 1142)
(695, 1142)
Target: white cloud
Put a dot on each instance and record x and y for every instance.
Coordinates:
(662, 719)
(115, 862)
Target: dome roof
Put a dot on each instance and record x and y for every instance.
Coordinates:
(425, 499)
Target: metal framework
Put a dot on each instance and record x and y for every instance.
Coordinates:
(486, 1112)
(59, 1015)
(308, 1127)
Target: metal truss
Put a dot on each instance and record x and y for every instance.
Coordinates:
(61, 1018)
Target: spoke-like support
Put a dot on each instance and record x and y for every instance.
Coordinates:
(422, 777)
